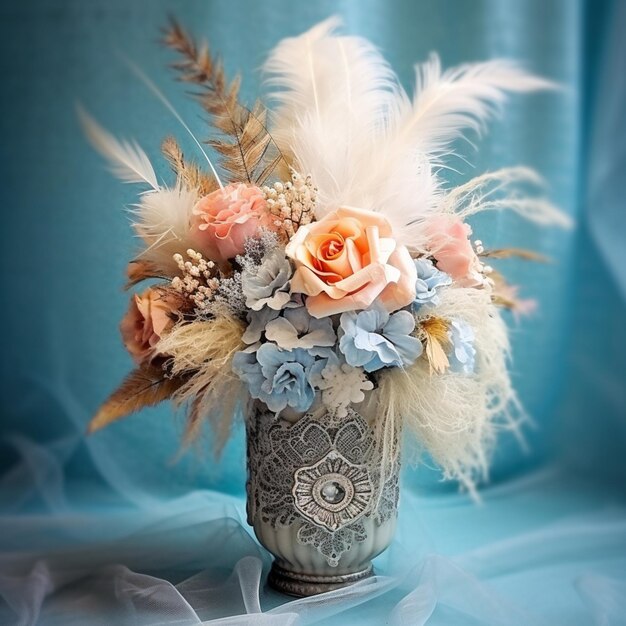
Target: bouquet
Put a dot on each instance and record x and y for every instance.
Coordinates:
(316, 261)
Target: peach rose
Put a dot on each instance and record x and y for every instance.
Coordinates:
(149, 316)
(448, 242)
(348, 260)
(225, 218)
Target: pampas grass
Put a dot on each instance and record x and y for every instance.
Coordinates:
(454, 417)
(499, 190)
(203, 350)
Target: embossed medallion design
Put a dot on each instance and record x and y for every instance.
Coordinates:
(333, 492)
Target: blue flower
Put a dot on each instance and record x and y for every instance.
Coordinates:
(298, 329)
(462, 355)
(280, 378)
(258, 320)
(373, 339)
(429, 279)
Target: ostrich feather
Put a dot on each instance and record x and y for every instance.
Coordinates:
(421, 131)
(447, 103)
(343, 118)
(332, 95)
(128, 161)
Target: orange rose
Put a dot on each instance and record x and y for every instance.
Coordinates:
(148, 318)
(347, 260)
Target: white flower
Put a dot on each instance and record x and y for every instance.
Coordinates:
(342, 385)
(297, 329)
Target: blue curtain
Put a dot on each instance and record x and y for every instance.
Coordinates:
(121, 527)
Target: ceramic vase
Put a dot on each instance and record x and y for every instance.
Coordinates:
(322, 496)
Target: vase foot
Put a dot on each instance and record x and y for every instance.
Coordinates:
(301, 584)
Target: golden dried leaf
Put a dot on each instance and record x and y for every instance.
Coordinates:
(435, 332)
(247, 148)
(188, 173)
(141, 388)
(139, 270)
(520, 253)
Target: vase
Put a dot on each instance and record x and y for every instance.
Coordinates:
(322, 496)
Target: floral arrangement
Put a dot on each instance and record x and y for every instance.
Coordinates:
(323, 263)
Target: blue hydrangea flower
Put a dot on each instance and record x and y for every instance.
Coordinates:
(298, 329)
(373, 339)
(258, 320)
(280, 378)
(429, 279)
(462, 355)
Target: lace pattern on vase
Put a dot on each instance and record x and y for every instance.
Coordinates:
(326, 474)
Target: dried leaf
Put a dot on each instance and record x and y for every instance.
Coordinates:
(520, 253)
(247, 148)
(141, 388)
(139, 270)
(188, 173)
(435, 333)
(505, 295)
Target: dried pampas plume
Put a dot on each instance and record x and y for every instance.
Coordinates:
(498, 191)
(202, 351)
(455, 416)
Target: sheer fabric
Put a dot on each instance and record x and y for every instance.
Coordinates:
(120, 528)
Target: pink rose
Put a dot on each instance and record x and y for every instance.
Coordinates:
(149, 316)
(448, 242)
(348, 260)
(225, 218)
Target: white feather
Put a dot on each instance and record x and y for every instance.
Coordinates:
(128, 161)
(422, 129)
(163, 221)
(447, 103)
(333, 94)
(346, 121)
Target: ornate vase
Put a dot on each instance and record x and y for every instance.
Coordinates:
(322, 496)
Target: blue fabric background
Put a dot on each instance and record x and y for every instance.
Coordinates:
(66, 240)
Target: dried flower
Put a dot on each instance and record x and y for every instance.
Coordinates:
(199, 280)
(280, 378)
(429, 280)
(148, 318)
(450, 246)
(462, 354)
(297, 329)
(342, 385)
(292, 203)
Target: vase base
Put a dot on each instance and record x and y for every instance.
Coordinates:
(300, 584)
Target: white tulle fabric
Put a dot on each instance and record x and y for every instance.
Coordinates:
(547, 549)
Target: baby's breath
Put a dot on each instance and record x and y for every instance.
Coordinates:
(292, 203)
